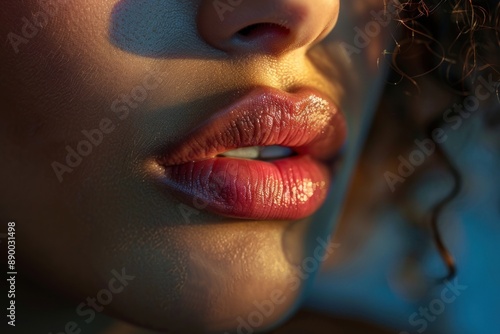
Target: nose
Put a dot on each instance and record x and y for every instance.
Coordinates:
(269, 27)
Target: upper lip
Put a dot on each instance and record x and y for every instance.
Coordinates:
(305, 120)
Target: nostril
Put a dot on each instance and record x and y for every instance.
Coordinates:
(272, 28)
(262, 29)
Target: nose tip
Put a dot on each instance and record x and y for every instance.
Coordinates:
(265, 26)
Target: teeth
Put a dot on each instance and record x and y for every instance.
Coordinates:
(259, 152)
(245, 153)
(275, 152)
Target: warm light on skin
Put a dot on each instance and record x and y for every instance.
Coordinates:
(201, 271)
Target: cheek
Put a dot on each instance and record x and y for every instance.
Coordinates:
(64, 81)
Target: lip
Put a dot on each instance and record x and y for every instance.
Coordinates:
(290, 188)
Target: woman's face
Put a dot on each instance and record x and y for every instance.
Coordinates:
(115, 118)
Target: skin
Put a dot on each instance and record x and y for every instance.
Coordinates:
(192, 270)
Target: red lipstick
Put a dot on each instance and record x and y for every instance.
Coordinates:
(293, 187)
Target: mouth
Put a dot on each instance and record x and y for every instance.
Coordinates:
(265, 157)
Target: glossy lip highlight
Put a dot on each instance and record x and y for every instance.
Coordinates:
(290, 188)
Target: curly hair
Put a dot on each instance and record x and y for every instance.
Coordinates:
(461, 41)
(462, 36)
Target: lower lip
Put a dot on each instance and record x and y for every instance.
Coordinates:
(291, 188)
